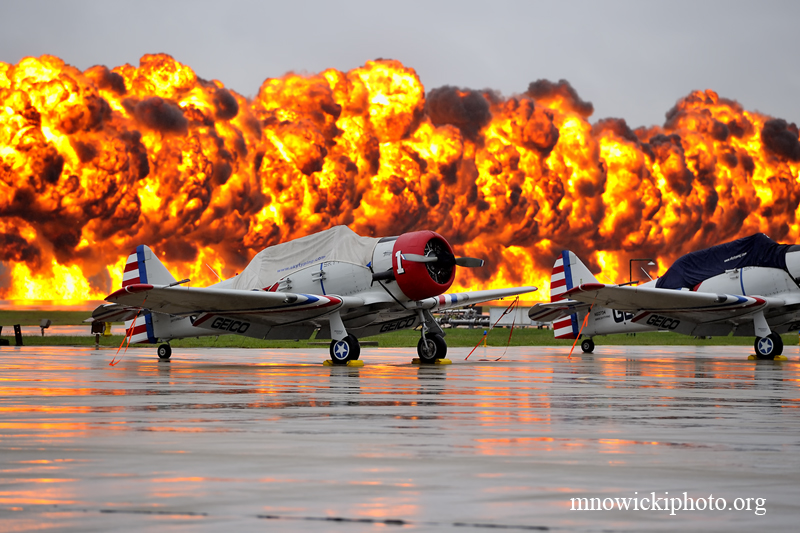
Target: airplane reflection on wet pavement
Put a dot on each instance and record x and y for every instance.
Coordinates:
(241, 438)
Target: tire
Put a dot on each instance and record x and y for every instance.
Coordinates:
(768, 347)
(587, 345)
(164, 352)
(347, 349)
(436, 349)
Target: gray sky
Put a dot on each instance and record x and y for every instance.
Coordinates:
(630, 59)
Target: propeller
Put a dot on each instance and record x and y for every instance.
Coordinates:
(469, 262)
(416, 258)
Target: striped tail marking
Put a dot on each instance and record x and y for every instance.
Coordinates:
(135, 271)
(141, 330)
(561, 282)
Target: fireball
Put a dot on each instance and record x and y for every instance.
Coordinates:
(94, 163)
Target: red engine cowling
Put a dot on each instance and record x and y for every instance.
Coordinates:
(423, 280)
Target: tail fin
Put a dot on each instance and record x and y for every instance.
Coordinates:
(144, 267)
(568, 272)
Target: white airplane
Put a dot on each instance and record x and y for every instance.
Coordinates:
(337, 283)
(747, 287)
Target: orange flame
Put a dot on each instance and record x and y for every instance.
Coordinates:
(94, 163)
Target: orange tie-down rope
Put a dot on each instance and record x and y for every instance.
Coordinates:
(585, 319)
(128, 338)
(514, 305)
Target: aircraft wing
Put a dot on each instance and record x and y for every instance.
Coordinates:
(460, 299)
(270, 307)
(550, 311)
(697, 306)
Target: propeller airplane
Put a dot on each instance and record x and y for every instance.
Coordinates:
(336, 283)
(747, 287)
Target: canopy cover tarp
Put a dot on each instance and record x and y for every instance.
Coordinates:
(339, 243)
(695, 267)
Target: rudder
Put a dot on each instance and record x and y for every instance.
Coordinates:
(568, 272)
(143, 266)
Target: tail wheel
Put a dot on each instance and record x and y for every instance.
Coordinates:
(768, 347)
(435, 348)
(587, 345)
(164, 352)
(347, 349)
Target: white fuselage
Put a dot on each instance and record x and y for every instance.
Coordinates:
(337, 278)
(748, 281)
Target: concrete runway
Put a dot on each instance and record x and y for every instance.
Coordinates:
(258, 439)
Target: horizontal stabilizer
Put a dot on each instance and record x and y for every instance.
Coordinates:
(548, 312)
(113, 313)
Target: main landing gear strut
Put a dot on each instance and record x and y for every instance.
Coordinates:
(431, 346)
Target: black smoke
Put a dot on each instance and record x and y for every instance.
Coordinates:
(226, 104)
(465, 109)
(161, 115)
(780, 138)
(544, 89)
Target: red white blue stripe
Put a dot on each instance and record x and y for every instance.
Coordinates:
(560, 283)
(135, 271)
(136, 274)
(141, 330)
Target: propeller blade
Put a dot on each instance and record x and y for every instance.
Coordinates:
(416, 258)
(469, 262)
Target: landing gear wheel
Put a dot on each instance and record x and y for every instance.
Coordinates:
(164, 352)
(435, 348)
(587, 345)
(347, 349)
(768, 347)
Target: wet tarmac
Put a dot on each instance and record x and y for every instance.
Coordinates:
(271, 439)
